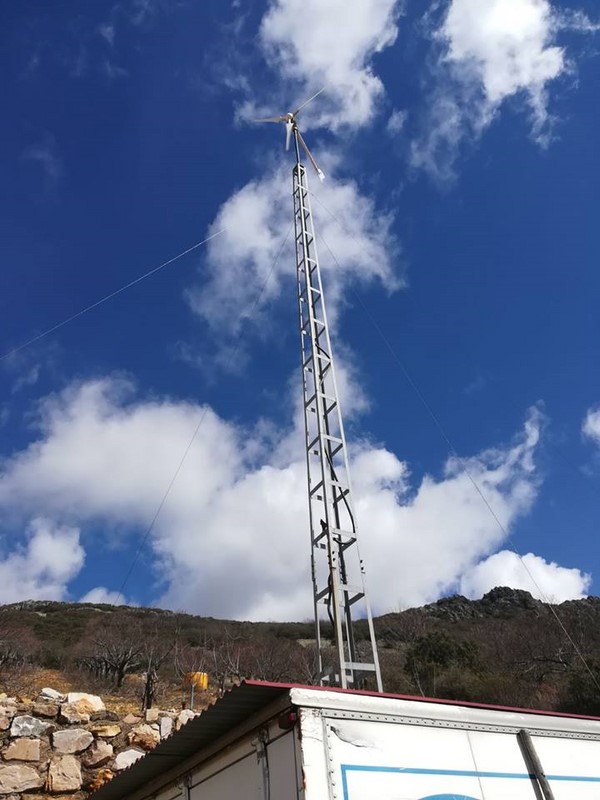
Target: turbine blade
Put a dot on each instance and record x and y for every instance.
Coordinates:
(318, 170)
(289, 127)
(306, 102)
(270, 119)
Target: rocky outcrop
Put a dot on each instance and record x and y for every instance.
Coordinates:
(499, 602)
(70, 745)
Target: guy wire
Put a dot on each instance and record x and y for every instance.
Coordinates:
(102, 300)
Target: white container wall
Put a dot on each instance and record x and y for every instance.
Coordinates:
(415, 751)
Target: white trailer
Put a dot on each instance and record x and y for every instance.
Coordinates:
(280, 742)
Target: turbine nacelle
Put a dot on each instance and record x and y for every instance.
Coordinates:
(292, 129)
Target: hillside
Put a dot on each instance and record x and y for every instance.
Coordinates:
(505, 648)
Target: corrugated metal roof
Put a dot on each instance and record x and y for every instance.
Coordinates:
(237, 705)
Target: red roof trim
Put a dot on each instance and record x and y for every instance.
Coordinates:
(435, 700)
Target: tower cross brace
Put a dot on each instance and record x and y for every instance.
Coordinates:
(338, 573)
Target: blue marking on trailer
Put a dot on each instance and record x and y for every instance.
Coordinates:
(455, 773)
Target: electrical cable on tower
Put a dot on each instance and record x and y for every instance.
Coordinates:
(338, 572)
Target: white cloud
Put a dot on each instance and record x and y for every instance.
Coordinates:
(591, 425)
(331, 44)
(25, 367)
(100, 594)
(92, 458)
(141, 11)
(546, 581)
(419, 546)
(396, 122)
(255, 219)
(232, 537)
(490, 52)
(107, 32)
(45, 154)
(506, 46)
(41, 566)
(29, 378)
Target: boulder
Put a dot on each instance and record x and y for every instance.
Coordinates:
(71, 714)
(87, 702)
(152, 715)
(19, 778)
(144, 736)
(23, 750)
(64, 774)
(131, 719)
(28, 726)
(75, 740)
(52, 694)
(106, 731)
(165, 727)
(98, 754)
(4, 722)
(126, 759)
(45, 709)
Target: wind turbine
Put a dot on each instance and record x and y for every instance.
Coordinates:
(338, 572)
(291, 128)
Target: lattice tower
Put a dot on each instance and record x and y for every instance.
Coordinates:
(338, 572)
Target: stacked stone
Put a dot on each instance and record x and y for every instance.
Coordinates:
(69, 745)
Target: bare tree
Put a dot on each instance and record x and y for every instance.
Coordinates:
(156, 649)
(225, 657)
(115, 652)
(261, 660)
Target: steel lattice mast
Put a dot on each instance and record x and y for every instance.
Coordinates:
(338, 573)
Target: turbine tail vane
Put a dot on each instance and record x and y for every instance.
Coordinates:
(311, 158)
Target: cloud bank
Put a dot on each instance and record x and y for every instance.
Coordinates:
(231, 540)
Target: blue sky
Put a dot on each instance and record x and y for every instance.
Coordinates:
(459, 244)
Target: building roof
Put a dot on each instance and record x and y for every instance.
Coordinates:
(235, 707)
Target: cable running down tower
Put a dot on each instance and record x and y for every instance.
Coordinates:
(338, 573)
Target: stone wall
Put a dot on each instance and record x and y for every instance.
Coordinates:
(66, 746)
